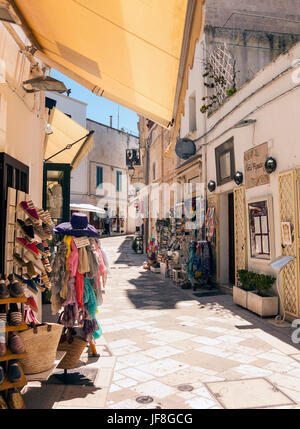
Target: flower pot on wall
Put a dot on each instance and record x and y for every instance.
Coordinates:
(261, 305)
(240, 296)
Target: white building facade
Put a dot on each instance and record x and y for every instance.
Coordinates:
(107, 181)
(256, 218)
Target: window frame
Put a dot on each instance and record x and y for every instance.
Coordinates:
(226, 147)
(99, 185)
(119, 181)
(270, 224)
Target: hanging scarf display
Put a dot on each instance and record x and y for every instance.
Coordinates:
(79, 269)
(190, 264)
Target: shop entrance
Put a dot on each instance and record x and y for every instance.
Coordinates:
(231, 250)
(56, 191)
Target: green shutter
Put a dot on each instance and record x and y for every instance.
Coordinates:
(99, 177)
(119, 181)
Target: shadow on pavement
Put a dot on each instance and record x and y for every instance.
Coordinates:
(155, 292)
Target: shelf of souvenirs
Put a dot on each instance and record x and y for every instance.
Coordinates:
(10, 385)
(13, 300)
(9, 355)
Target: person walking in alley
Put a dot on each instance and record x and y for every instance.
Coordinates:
(107, 222)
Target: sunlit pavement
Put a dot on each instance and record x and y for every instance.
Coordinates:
(163, 347)
(177, 352)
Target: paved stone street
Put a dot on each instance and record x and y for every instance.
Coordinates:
(184, 352)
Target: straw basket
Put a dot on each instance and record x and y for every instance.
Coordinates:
(74, 346)
(40, 343)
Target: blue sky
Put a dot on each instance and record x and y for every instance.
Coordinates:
(99, 108)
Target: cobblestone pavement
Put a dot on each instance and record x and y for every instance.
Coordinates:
(163, 347)
(187, 352)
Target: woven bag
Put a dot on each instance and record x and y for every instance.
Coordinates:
(71, 344)
(40, 343)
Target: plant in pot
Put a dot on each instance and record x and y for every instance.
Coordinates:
(264, 284)
(263, 301)
(155, 267)
(240, 292)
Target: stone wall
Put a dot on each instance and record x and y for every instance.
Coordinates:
(218, 12)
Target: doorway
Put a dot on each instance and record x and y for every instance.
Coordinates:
(231, 249)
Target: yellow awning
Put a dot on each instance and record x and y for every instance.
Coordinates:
(66, 132)
(132, 52)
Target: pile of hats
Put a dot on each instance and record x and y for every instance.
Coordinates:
(77, 227)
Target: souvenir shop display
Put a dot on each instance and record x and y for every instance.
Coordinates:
(79, 272)
(29, 228)
(11, 346)
(152, 251)
(181, 251)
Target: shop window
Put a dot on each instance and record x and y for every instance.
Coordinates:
(192, 113)
(99, 178)
(259, 230)
(56, 191)
(119, 181)
(225, 165)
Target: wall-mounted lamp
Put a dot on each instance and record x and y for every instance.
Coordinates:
(45, 83)
(270, 165)
(238, 177)
(211, 185)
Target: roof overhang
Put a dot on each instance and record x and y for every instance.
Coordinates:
(135, 53)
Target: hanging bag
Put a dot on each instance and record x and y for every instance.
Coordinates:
(71, 344)
(40, 342)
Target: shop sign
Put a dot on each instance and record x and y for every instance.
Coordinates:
(254, 162)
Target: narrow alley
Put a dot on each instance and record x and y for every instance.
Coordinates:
(173, 349)
(164, 347)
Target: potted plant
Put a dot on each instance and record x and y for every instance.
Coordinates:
(240, 293)
(155, 268)
(263, 301)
